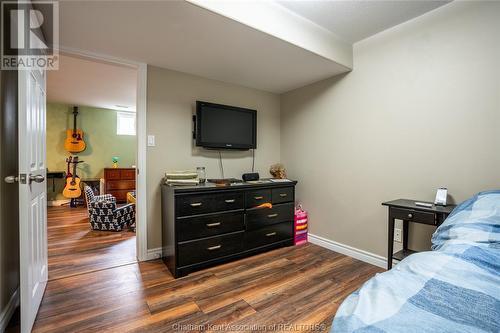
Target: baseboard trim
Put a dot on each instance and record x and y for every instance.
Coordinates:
(6, 313)
(350, 251)
(153, 254)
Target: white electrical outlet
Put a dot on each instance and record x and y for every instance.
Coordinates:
(397, 235)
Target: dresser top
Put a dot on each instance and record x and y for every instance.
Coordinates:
(410, 204)
(119, 168)
(234, 186)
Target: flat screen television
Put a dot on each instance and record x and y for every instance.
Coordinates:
(220, 126)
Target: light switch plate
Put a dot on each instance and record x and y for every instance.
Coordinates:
(151, 141)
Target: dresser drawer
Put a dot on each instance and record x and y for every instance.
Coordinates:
(211, 225)
(127, 174)
(193, 252)
(208, 203)
(268, 235)
(412, 215)
(255, 198)
(283, 194)
(120, 195)
(262, 217)
(112, 174)
(120, 185)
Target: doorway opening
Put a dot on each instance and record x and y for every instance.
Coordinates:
(92, 149)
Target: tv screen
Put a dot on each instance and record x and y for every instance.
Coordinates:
(225, 127)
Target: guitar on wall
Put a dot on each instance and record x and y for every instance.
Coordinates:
(72, 189)
(74, 137)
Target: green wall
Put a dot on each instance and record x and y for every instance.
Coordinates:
(99, 128)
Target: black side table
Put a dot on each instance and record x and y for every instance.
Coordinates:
(408, 211)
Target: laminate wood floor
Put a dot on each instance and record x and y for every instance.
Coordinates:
(299, 288)
(73, 248)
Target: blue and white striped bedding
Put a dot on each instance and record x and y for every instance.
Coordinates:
(454, 288)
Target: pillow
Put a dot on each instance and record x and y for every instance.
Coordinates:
(475, 221)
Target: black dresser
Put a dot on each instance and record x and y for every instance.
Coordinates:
(206, 225)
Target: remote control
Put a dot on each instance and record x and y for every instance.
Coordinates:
(424, 204)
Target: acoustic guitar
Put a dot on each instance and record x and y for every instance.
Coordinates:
(72, 189)
(74, 137)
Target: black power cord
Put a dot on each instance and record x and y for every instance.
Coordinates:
(253, 160)
(221, 165)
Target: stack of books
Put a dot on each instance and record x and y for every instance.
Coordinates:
(181, 178)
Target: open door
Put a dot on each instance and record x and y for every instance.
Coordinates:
(32, 194)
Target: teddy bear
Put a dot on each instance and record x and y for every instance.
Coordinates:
(278, 171)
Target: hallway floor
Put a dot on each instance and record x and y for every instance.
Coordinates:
(76, 249)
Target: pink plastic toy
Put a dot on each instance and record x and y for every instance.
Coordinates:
(300, 226)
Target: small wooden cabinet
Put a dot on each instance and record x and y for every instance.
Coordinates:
(118, 182)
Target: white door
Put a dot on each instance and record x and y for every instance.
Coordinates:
(32, 194)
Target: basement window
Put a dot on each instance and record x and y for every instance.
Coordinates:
(125, 123)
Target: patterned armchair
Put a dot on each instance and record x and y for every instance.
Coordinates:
(104, 215)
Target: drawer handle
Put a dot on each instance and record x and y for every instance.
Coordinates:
(196, 204)
(271, 234)
(272, 215)
(410, 215)
(229, 200)
(283, 195)
(258, 198)
(216, 247)
(210, 225)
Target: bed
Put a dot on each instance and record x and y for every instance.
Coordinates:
(453, 288)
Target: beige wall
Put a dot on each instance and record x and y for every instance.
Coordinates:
(170, 105)
(420, 110)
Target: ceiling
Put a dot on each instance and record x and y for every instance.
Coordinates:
(182, 36)
(194, 38)
(87, 82)
(353, 21)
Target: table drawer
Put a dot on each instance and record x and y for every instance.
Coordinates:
(209, 203)
(255, 198)
(262, 217)
(283, 194)
(120, 185)
(193, 252)
(268, 235)
(209, 225)
(413, 215)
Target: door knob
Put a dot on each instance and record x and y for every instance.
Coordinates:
(37, 178)
(11, 179)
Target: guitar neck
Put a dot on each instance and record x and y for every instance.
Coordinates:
(75, 114)
(74, 171)
(68, 165)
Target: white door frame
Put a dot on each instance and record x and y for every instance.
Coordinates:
(141, 105)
